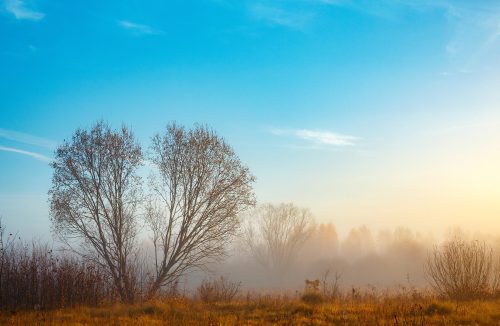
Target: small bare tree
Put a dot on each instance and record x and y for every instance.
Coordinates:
(274, 234)
(331, 289)
(94, 196)
(460, 269)
(200, 189)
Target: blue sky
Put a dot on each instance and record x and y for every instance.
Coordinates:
(381, 113)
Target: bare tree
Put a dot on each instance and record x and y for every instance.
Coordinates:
(94, 198)
(275, 234)
(200, 189)
(460, 269)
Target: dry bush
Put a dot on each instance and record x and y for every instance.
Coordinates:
(460, 270)
(331, 289)
(218, 290)
(312, 298)
(33, 277)
(311, 293)
(495, 277)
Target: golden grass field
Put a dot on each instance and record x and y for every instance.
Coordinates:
(270, 311)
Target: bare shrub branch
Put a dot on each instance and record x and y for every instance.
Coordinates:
(460, 269)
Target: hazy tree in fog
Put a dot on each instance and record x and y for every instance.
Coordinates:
(323, 244)
(359, 243)
(402, 244)
(274, 234)
(94, 197)
(200, 189)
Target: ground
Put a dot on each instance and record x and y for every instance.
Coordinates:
(270, 311)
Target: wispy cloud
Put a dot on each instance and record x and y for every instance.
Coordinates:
(317, 137)
(27, 139)
(138, 29)
(475, 25)
(278, 16)
(20, 11)
(331, 2)
(460, 128)
(34, 155)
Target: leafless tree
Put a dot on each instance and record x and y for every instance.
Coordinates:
(460, 269)
(94, 198)
(200, 189)
(274, 234)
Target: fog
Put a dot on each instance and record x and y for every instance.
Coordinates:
(363, 258)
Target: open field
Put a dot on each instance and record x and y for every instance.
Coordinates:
(270, 311)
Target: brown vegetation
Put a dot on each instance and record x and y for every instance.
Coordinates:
(218, 290)
(463, 270)
(366, 309)
(32, 277)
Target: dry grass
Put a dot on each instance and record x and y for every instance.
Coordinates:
(32, 276)
(218, 290)
(383, 310)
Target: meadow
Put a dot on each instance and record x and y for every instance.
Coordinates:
(409, 307)
(41, 287)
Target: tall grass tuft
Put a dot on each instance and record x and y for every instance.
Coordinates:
(219, 289)
(32, 276)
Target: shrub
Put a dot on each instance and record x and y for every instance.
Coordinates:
(311, 292)
(312, 298)
(218, 290)
(331, 289)
(32, 276)
(460, 270)
(437, 308)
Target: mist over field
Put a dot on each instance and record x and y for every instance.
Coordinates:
(363, 259)
(387, 259)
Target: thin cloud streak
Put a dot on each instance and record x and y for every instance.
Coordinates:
(280, 17)
(318, 137)
(20, 11)
(462, 128)
(24, 138)
(34, 155)
(476, 24)
(138, 29)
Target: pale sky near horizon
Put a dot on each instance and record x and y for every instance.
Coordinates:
(379, 113)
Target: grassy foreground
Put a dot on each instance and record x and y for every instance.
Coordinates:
(269, 311)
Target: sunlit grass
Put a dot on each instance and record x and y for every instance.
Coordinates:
(271, 311)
